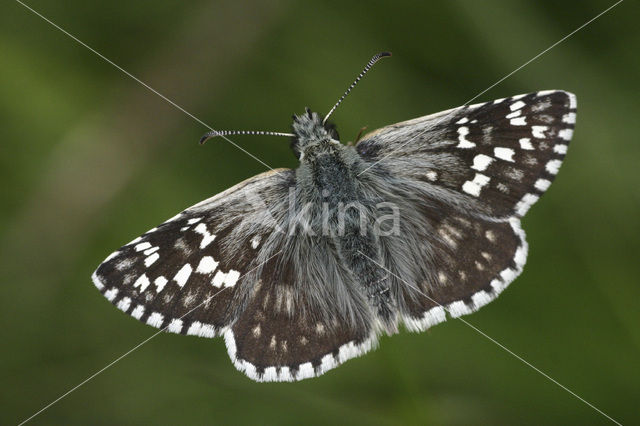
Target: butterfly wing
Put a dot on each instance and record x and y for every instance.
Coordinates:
(224, 266)
(184, 274)
(474, 261)
(283, 335)
(499, 156)
(476, 170)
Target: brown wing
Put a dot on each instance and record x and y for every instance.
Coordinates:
(184, 274)
(502, 155)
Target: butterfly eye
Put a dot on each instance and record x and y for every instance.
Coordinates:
(332, 130)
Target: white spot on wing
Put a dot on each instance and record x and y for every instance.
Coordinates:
(218, 279)
(538, 131)
(305, 371)
(445, 236)
(143, 246)
(160, 282)
(553, 166)
(502, 188)
(508, 275)
(111, 294)
(231, 278)
(525, 203)
(480, 299)
(97, 281)
(525, 143)
(481, 162)
(138, 312)
(475, 186)
(207, 265)
(183, 275)
(518, 121)
(207, 238)
(199, 329)
(151, 250)
(516, 105)
(194, 328)
(560, 149)
(490, 236)
(151, 259)
(124, 304)
(542, 184)
(194, 220)
(464, 143)
(505, 154)
(155, 319)
(255, 241)
(565, 134)
(270, 374)
(175, 326)
(458, 308)
(207, 330)
(256, 331)
(462, 120)
(569, 118)
(142, 282)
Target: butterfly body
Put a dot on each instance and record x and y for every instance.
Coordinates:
(303, 269)
(328, 180)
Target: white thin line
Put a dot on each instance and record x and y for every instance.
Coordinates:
(133, 349)
(94, 375)
(544, 51)
(497, 343)
(504, 78)
(141, 82)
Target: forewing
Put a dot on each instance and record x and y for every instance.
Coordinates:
(501, 155)
(184, 274)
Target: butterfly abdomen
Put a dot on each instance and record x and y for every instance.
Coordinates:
(348, 220)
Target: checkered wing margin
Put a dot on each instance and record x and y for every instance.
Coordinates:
(499, 156)
(221, 268)
(184, 274)
(480, 168)
(284, 335)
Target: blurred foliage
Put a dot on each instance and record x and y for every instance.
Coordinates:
(90, 159)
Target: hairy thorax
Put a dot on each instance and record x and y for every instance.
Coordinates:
(328, 183)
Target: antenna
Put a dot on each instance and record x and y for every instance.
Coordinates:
(214, 133)
(367, 67)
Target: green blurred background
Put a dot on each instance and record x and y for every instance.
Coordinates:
(91, 159)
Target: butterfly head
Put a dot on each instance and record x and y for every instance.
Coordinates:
(311, 134)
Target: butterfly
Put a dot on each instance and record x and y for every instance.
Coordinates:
(301, 270)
